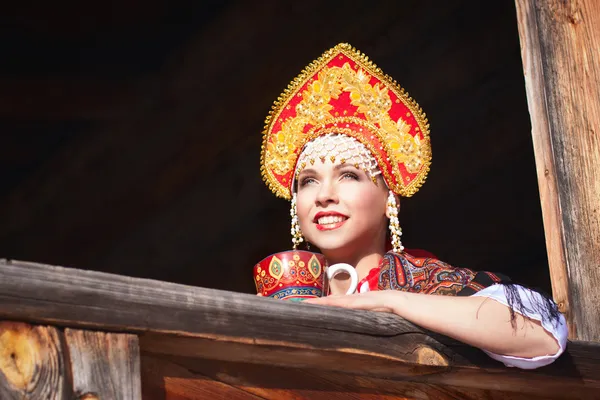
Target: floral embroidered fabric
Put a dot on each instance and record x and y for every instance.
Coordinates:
(427, 275)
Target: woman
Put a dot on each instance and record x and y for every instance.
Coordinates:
(343, 143)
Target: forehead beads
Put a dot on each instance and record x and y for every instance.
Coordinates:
(338, 148)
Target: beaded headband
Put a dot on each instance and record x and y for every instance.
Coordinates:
(335, 147)
(344, 93)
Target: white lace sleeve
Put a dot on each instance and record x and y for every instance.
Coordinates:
(558, 329)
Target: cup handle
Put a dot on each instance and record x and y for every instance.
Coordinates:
(335, 269)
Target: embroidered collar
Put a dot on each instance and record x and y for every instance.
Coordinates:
(371, 281)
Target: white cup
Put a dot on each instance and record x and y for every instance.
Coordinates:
(335, 269)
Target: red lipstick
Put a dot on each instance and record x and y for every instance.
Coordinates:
(330, 226)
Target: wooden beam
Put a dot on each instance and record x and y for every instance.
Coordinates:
(142, 305)
(276, 382)
(575, 374)
(559, 46)
(163, 379)
(183, 321)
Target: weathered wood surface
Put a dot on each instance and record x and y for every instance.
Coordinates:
(560, 42)
(165, 377)
(133, 304)
(105, 365)
(576, 373)
(45, 362)
(178, 320)
(32, 364)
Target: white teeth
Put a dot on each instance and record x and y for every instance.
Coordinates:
(330, 219)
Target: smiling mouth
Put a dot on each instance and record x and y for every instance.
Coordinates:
(330, 222)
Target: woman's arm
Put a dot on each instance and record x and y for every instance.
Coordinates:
(478, 321)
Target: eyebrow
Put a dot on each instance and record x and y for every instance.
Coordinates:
(337, 167)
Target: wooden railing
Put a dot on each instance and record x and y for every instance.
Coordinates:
(68, 332)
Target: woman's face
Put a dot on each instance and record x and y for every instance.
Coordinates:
(340, 209)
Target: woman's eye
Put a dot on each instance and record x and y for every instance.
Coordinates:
(306, 181)
(349, 175)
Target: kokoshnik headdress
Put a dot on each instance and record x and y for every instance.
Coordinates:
(342, 106)
(344, 93)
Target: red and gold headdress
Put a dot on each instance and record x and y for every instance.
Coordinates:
(343, 92)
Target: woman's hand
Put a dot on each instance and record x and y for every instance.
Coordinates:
(384, 301)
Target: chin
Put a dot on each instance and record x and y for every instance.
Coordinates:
(330, 244)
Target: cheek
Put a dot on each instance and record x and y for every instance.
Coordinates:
(368, 202)
(368, 208)
(302, 207)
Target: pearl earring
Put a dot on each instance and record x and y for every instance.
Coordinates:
(296, 233)
(396, 232)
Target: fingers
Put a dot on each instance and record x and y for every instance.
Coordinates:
(373, 301)
(321, 301)
(348, 301)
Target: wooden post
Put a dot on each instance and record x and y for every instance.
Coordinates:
(560, 42)
(104, 365)
(42, 362)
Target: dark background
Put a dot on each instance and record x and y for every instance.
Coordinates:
(131, 131)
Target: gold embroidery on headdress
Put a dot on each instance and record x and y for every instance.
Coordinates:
(281, 149)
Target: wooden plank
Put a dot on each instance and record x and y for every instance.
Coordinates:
(576, 373)
(162, 379)
(29, 290)
(180, 320)
(559, 46)
(32, 364)
(104, 365)
(274, 382)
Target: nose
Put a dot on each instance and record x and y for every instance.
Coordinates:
(327, 194)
